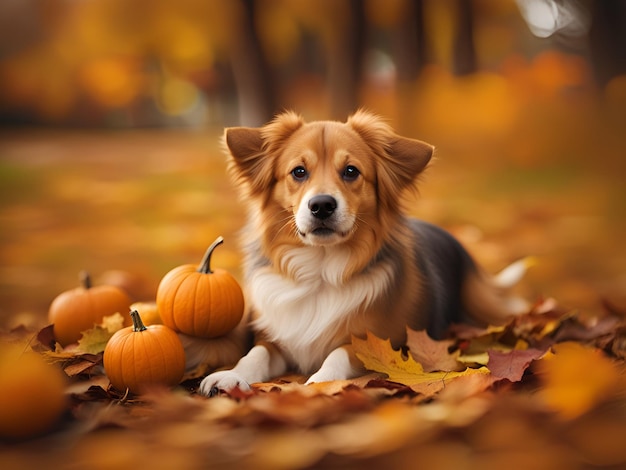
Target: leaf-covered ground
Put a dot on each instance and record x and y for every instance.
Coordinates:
(544, 391)
(513, 177)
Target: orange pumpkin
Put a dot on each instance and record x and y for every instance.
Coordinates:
(199, 301)
(32, 393)
(139, 356)
(79, 309)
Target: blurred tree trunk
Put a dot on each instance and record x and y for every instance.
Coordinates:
(607, 38)
(464, 50)
(345, 59)
(410, 51)
(255, 89)
(409, 43)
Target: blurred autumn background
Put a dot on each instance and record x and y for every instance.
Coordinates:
(111, 114)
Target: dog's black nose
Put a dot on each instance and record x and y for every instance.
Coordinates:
(322, 206)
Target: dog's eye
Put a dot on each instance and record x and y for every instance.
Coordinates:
(350, 173)
(299, 173)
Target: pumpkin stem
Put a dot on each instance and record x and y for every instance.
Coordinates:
(137, 321)
(85, 279)
(205, 265)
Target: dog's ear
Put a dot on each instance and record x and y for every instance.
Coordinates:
(400, 159)
(248, 164)
(254, 150)
(407, 159)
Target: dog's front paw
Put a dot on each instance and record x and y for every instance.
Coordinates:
(225, 380)
(324, 376)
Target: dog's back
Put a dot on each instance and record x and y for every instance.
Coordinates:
(456, 290)
(444, 264)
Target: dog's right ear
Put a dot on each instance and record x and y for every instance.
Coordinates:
(254, 150)
(249, 163)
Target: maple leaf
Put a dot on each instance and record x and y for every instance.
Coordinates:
(378, 355)
(432, 355)
(95, 339)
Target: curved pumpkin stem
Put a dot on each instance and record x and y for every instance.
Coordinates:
(205, 265)
(137, 321)
(85, 279)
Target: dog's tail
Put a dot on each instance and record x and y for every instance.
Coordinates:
(487, 299)
(514, 272)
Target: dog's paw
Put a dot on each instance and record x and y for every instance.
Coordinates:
(225, 380)
(324, 376)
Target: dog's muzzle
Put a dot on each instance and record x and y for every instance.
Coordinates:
(322, 220)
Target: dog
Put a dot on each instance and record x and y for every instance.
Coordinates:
(330, 253)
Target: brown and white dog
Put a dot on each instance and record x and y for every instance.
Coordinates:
(331, 254)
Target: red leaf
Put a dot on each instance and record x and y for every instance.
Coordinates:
(46, 339)
(511, 365)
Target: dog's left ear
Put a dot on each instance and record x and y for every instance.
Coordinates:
(407, 158)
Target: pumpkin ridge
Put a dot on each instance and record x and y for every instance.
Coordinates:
(163, 364)
(146, 340)
(175, 342)
(125, 340)
(129, 349)
(172, 299)
(113, 368)
(172, 341)
(221, 294)
(198, 319)
(186, 317)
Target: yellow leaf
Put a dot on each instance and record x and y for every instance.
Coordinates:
(95, 339)
(378, 355)
(576, 378)
(113, 323)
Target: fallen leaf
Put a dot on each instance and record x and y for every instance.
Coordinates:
(378, 355)
(61, 354)
(46, 340)
(431, 354)
(511, 365)
(540, 325)
(112, 323)
(95, 339)
(84, 364)
(575, 329)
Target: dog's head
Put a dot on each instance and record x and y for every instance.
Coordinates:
(324, 183)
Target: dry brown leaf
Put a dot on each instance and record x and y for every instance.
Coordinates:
(432, 355)
(512, 365)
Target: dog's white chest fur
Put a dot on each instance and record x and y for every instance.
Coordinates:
(306, 312)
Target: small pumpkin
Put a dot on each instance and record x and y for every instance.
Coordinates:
(139, 356)
(32, 393)
(199, 301)
(79, 309)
